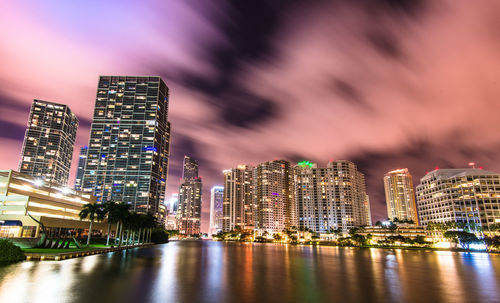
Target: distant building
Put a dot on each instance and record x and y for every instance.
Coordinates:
(129, 143)
(333, 197)
(82, 160)
(399, 195)
(238, 206)
(190, 191)
(216, 201)
(468, 196)
(273, 197)
(48, 142)
(173, 203)
(24, 199)
(189, 168)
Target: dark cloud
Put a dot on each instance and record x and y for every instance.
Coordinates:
(348, 92)
(250, 29)
(407, 7)
(419, 157)
(385, 44)
(12, 130)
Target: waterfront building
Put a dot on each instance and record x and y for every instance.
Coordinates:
(238, 205)
(27, 201)
(190, 191)
(332, 197)
(129, 144)
(399, 195)
(216, 202)
(48, 142)
(82, 160)
(467, 196)
(273, 197)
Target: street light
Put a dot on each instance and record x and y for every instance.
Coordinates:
(38, 182)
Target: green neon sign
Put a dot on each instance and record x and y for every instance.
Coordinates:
(305, 163)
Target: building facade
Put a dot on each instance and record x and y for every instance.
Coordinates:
(27, 201)
(332, 197)
(238, 205)
(399, 195)
(273, 197)
(216, 215)
(48, 142)
(189, 168)
(82, 160)
(190, 191)
(467, 196)
(129, 144)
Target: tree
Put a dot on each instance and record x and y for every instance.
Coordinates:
(93, 212)
(378, 223)
(277, 236)
(111, 211)
(122, 213)
(353, 231)
(462, 238)
(359, 239)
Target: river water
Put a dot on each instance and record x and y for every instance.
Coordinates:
(206, 271)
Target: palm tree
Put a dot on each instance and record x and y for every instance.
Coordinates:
(92, 211)
(121, 214)
(110, 209)
(150, 223)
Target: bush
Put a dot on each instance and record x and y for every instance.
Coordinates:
(159, 235)
(9, 252)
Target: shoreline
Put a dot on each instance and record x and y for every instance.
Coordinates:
(58, 256)
(429, 249)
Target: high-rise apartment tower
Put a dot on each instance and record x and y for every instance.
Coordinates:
(238, 207)
(82, 160)
(332, 197)
(399, 195)
(273, 197)
(48, 142)
(190, 190)
(129, 142)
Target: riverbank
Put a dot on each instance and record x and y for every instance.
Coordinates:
(57, 255)
(333, 244)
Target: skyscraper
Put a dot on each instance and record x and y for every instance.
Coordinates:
(468, 196)
(129, 142)
(216, 199)
(273, 196)
(238, 207)
(399, 195)
(332, 197)
(48, 142)
(82, 160)
(189, 210)
(189, 168)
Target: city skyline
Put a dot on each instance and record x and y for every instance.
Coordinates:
(367, 93)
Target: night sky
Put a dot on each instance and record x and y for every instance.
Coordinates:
(385, 84)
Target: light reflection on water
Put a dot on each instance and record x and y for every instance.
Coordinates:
(205, 271)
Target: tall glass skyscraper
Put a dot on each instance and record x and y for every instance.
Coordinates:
(189, 210)
(48, 142)
(189, 168)
(129, 142)
(82, 160)
(216, 199)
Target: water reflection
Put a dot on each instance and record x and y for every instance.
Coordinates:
(205, 271)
